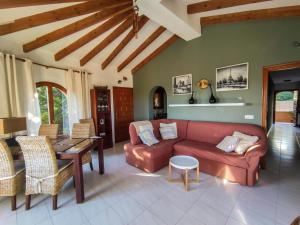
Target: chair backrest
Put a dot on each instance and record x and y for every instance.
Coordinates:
(6, 161)
(81, 130)
(39, 156)
(92, 128)
(50, 130)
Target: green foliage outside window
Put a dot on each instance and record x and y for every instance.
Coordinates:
(285, 96)
(43, 101)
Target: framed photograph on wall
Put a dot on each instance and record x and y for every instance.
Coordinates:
(182, 85)
(232, 78)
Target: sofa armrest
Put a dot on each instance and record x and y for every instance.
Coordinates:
(255, 152)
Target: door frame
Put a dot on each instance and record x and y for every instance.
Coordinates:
(265, 88)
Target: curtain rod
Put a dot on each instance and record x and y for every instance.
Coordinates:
(54, 67)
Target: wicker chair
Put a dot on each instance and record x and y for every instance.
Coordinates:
(44, 174)
(92, 127)
(82, 130)
(11, 175)
(296, 221)
(50, 130)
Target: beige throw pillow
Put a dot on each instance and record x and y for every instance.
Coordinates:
(228, 144)
(245, 142)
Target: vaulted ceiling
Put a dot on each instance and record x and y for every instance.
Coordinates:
(101, 32)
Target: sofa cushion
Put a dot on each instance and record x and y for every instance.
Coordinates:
(204, 150)
(214, 132)
(164, 147)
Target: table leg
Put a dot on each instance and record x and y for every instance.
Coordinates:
(100, 157)
(170, 172)
(198, 174)
(79, 179)
(186, 180)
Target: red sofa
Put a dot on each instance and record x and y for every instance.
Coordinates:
(199, 139)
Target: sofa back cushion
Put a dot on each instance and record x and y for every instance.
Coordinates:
(181, 129)
(214, 132)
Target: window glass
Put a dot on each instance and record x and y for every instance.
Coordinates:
(43, 101)
(53, 105)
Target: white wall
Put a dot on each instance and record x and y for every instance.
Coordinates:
(108, 77)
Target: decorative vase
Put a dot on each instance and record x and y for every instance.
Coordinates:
(212, 98)
(192, 100)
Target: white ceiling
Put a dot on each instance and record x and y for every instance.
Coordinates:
(172, 24)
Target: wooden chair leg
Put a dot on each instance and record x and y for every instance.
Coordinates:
(54, 202)
(91, 166)
(13, 203)
(27, 202)
(74, 184)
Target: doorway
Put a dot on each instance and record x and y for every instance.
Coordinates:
(123, 112)
(285, 106)
(277, 78)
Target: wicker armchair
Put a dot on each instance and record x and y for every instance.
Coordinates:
(83, 130)
(50, 130)
(44, 175)
(11, 175)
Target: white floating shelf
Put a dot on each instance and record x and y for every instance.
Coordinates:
(208, 104)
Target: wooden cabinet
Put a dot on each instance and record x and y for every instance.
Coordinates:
(101, 113)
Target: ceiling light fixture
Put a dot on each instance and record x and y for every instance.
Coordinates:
(135, 18)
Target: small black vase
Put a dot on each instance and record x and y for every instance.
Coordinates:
(212, 98)
(192, 100)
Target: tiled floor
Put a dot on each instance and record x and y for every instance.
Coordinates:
(125, 195)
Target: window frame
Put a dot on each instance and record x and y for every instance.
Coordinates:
(49, 86)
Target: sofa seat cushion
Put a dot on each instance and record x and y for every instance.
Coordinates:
(202, 150)
(164, 147)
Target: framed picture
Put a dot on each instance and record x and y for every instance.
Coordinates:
(182, 85)
(231, 78)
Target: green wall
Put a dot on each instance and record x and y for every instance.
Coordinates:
(260, 43)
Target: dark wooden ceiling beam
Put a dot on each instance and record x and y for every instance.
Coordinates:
(74, 27)
(107, 25)
(142, 21)
(218, 4)
(162, 47)
(59, 14)
(5, 4)
(142, 47)
(261, 14)
(109, 39)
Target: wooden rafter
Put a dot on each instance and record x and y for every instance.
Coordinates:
(218, 4)
(165, 45)
(58, 14)
(107, 25)
(142, 21)
(110, 38)
(142, 47)
(5, 4)
(260, 14)
(74, 27)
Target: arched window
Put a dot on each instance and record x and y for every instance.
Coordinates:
(53, 105)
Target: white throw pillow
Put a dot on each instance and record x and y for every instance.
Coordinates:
(172, 125)
(148, 137)
(246, 141)
(228, 144)
(167, 133)
(145, 127)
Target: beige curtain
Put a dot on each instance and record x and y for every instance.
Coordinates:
(78, 95)
(17, 91)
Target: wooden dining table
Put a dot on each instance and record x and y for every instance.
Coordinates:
(67, 148)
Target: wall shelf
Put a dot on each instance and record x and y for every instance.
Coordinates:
(208, 104)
